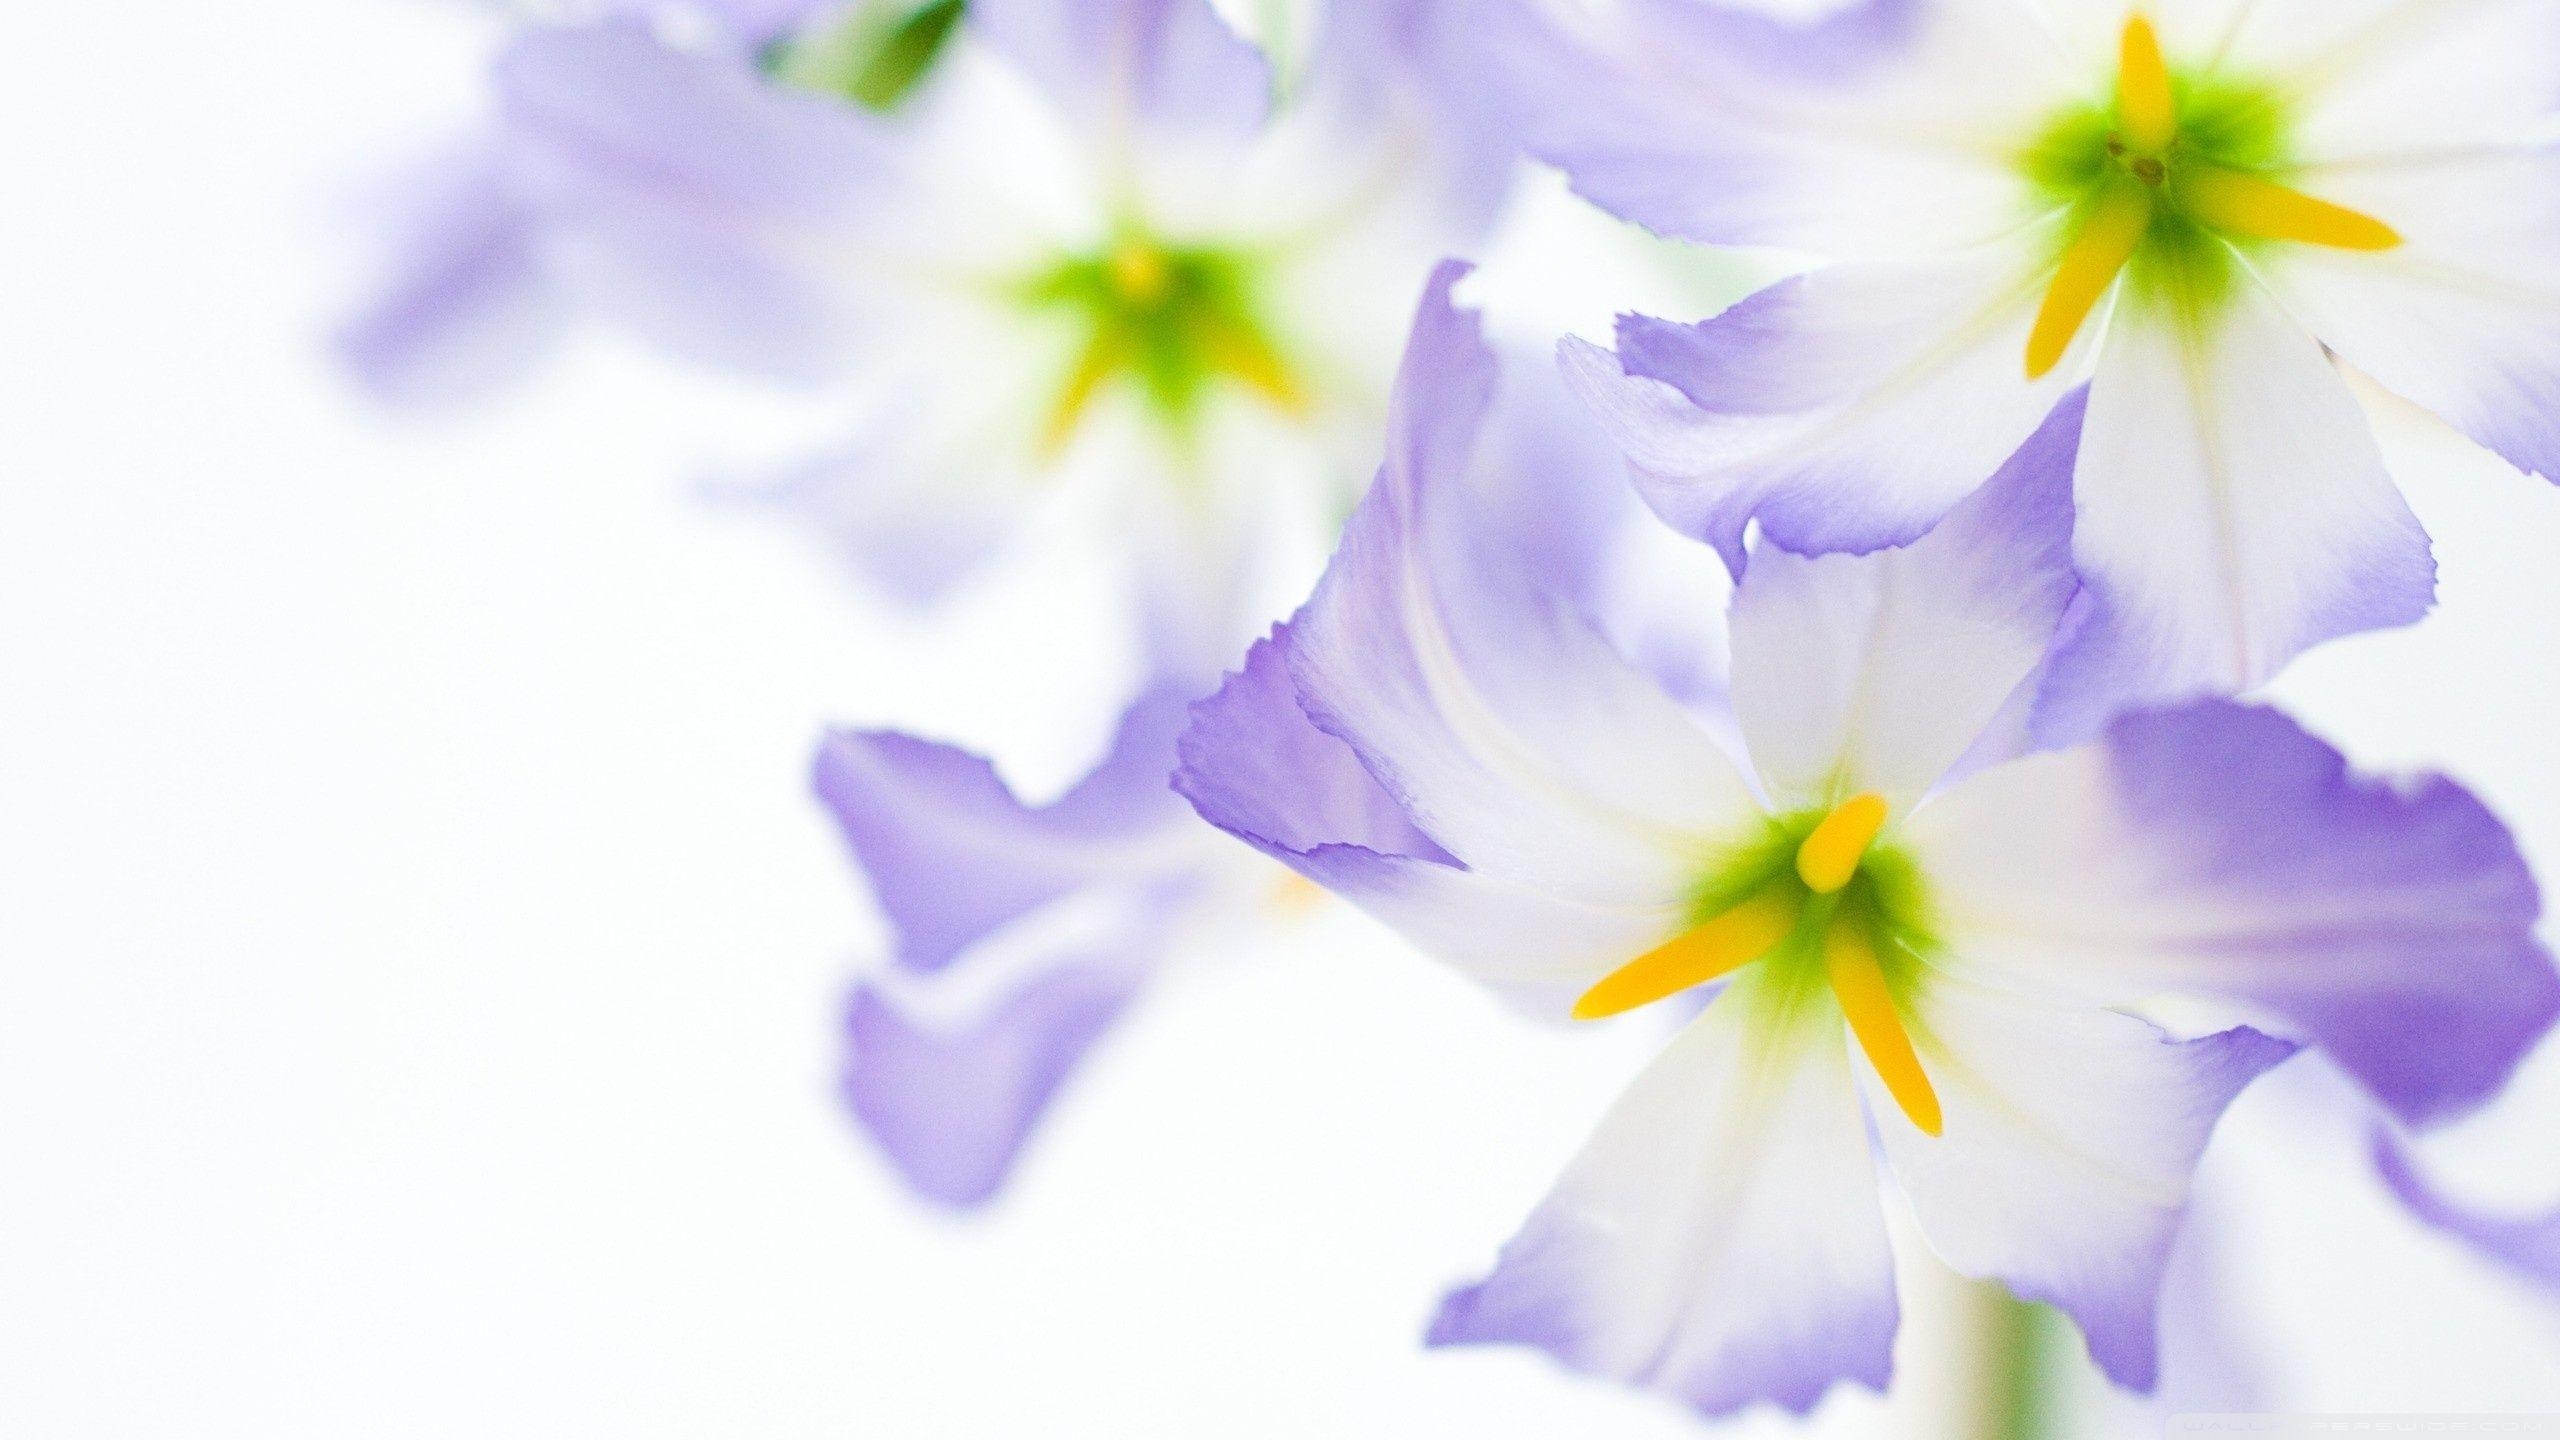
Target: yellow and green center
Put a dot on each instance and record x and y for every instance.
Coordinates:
(2166, 184)
(1823, 909)
(1176, 324)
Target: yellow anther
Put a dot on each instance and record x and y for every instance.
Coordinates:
(1139, 273)
(1241, 354)
(2146, 108)
(1830, 855)
(1096, 365)
(1857, 979)
(2107, 239)
(2243, 204)
(1718, 948)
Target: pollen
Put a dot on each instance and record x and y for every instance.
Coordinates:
(1857, 981)
(1711, 951)
(1139, 272)
(1829, 855)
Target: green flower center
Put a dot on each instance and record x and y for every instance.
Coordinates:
(1176, 323)
(1832, 924)
(2165, 185)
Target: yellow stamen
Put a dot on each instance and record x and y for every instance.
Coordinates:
(1236, 351)
(1858, 980)
(1100, 360)
(2146, 109)
(2243, 204)
(1293, 894)
(2107, 240)
(1139, 273)
(1830, 855)
(1721, 946)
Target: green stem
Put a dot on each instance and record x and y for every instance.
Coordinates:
(2021, 1350)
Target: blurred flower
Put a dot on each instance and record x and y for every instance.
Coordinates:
(2177, 205)
(1916, 931)
(1087, 266)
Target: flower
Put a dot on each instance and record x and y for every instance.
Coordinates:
(2186, 207)
(1912, 933)
(1024, 932)
(1092, 272)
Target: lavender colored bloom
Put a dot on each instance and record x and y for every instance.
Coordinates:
(2186, 209)
(1929, 949)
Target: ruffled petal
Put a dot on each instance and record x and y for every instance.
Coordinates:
(2218, 852)
(952, 854)
(2464, 317)
(2233, 512)
(1720, 1239)
(2071, 1136)
(1847, 409)
(1506, 727)
(1256, 767)
(1878, 672)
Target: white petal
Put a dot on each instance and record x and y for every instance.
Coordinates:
(2233, 511)
(1877, 672)
(1720, 1239)
(2464, 316)
(2071, 1135)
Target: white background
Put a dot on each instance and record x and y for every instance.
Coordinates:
(419, 959)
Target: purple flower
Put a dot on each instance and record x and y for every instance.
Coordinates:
(2187, 208)
(1929, 950)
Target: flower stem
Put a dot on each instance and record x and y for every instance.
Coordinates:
(2020, 1394)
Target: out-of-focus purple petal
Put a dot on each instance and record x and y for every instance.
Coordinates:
(464, 304)
(952, 853)
(2217, 851)
(1168, 66)
(686, 195)
(951, 1104)
(2527, 1244)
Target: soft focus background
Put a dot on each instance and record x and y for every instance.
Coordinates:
(419, 962)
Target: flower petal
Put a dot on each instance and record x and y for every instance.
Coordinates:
(2464, 317)
(1256, 767)
(1884, 128)
(951, 1107)
(1878, 672)
(1507, 728)
(2527, 1244)
(1167, 65)
(2219, 852)
(465, 303)
(952, 854)
(2233, 512)
(1720, 1239)
(2391, 79)
(669, 182)
(2071, 1135)
(1847, 409)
